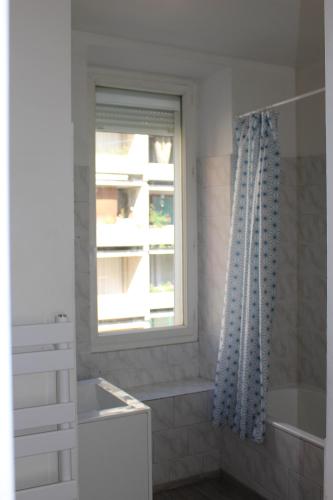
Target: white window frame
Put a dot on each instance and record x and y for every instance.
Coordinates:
(188, 332)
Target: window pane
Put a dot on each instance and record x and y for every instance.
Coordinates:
(138, 213)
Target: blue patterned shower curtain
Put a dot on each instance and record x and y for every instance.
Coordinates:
(244, 353)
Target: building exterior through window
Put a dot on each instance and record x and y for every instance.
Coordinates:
(138, 210)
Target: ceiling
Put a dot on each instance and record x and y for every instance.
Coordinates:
(288, 32)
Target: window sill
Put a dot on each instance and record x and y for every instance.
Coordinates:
(171, 389)
(144, 338)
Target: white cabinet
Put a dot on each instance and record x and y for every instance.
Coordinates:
(115, 450)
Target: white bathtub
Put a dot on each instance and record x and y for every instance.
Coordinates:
(114, 443)
(299, 411)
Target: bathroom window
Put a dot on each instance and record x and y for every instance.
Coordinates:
(141, 178)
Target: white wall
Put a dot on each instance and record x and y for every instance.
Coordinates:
(329, 152)
(214, 93)
(255, 86)
(311, 112)
(41, 166)
(6, 439)
(41, 177)
(215, 114)
(226, 87)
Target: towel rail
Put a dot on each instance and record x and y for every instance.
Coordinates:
(46, 348)
(60, 491)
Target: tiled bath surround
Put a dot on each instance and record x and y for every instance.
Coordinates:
(285, 467)
(214, 212)
(299, 328)
(185, 444)
(312, 271)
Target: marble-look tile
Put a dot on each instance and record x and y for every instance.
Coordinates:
(288, 226)
(211, 278)
(285, 315)
(287, 286)
(185, 372)
(170, 444)
(312, 229)
(137, 359)
(203, 438)
(138, 377)
(210, 301)
(250, 463)
(214, 201)
(289, 172)
(191, 408)
(287, 255)
(211, 461)
(82, 255)
(281, 447)
(161, 472)
(313, 462)
(125, 378)
(81, 183)
(301, 488)
(82, 284)
(83, 370)
(311, 316)
(214, 235)
(89, 365)
(284, 356)
(82, 319)
(311, 373)
(81, 219)
(270, 475)
(162, 413)
(208, 355)
(312, 171)
(139, 367)
(145, 358)
(312, 286)
(182, 353)
(312, 259)
(312, 200)
(288, 200)
(186, 467)
(236, 458)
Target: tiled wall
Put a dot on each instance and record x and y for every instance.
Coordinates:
(283, 468)
(299, 328)
(312, 272)
(185, 444)
(299, 334)
(284, 334)
(134, 367)
(214, 212)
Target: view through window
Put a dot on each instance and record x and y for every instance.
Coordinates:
(138, 210)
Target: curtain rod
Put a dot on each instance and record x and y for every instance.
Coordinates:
(287, 101)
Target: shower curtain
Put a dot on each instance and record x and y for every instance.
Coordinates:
(244, 352)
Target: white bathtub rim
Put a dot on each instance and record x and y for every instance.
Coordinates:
(295, 431)
(132, 405)
(303, 387)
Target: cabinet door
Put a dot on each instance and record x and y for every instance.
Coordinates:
(115, 458)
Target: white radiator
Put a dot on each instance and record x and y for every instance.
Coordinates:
(39, 349)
